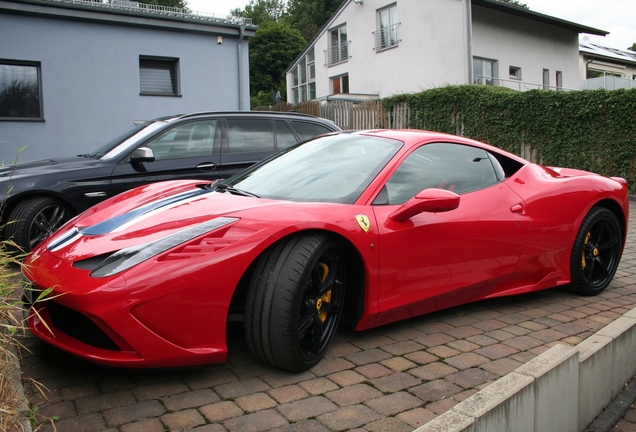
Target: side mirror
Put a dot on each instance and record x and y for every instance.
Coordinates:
(430, 201)
(142, 154)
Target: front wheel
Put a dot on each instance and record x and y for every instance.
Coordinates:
(596, 252)
(35, 219)
(294, 301)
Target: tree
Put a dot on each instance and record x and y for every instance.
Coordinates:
(181, 4)
(633, 47)
(516, 3)
(309, 16)
(260, 11)
(273, 48)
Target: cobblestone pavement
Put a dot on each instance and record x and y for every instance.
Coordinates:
(393, 378)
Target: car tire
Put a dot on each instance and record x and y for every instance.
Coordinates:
(596, 252)
(294, 301)
(35, 219)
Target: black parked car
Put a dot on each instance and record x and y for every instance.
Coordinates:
(41, 196)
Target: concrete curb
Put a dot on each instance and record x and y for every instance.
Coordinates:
(538, 396)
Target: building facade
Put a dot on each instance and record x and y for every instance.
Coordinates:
(76, 74)
(377, 48)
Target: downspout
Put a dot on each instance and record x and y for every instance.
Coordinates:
(469, 40)
(240, 67)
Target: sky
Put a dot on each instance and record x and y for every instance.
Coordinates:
(615, 16)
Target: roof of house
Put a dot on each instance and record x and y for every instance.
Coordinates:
(610, 54)
(535, 16)
(131, 12)
(491, 4)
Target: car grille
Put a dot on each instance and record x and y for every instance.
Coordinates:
(79, 326)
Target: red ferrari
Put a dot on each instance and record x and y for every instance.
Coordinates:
(363, 227)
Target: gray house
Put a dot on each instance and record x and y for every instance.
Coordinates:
(75, 74)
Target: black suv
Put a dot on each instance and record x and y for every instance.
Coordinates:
(41, 196)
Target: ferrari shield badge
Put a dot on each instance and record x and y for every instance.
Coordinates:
(363, 221)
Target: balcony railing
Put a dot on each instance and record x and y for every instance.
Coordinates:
(337, 54)
(515, 84)
(386, 37)
(608, 83)
(132, 6)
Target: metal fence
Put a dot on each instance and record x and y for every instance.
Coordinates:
(608, 83)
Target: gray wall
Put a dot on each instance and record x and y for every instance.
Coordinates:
(90, 77)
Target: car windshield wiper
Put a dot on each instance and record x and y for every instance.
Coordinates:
(222, 187)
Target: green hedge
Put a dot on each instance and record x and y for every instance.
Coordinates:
(594, 130)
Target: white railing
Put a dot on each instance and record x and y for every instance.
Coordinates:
(515, 84)
(608, 83)
(159, 10)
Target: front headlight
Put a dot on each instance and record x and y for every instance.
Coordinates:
(130, 257)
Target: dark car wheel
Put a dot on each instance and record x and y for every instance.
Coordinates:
(294, 301)
(596, 252)
(34, 219)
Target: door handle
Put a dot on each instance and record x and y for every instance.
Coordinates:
(206, 166)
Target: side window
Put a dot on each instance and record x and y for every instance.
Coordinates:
(308, 130)
(20, 90)
(250, 135)
(284, 135)
(458, 168)
(187, 140)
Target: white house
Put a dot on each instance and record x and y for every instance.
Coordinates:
(604, 67)
(377, 48)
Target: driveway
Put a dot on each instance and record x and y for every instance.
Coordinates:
(393, 378)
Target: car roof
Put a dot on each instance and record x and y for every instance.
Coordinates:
(252, 113)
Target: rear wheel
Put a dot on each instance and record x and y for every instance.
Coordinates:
(294, 301)
(35, 219)
(596, 252)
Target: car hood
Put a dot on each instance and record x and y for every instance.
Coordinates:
(46, 166)
(150, 214)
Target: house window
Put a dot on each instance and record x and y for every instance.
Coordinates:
(158, 76)
(485, 71)
(559, 80)
(340, 84)
(338, 51)
(387, 34)
(546, 79)
(304, 77)
(20, 90)
(514, 72)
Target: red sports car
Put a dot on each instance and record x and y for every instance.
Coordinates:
(363, 227)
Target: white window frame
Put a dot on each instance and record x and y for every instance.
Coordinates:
(338, 51)
(480, 73)
(304, 79)
(386, 36)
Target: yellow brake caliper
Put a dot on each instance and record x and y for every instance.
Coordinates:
(326, 297)
(587, 239)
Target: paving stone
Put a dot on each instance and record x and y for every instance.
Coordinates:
(255, 402)
(394, 403)
(420, 357)
(318, 386)
(255, 422)
(374, 370)
(330, 366)
(466, 360)
(209, 428)
(282, 378)
(190, 399)
(221, 411)
(348, 417)
(398, 364)
(523, 343)
(388, 425)
(368, 356)
(370, 342)
(183, 420)
(347, 378)
(435, 339)
(307, 408)
(241, 388)
(471, 378)
(104, 401)
(147, 425)
(88, 422)
(433, 371)
(395, 382)
(435, 390)
(211, 379)
(353, 395)
(443, 351)
(416, 417)
(303, 426)
(133, 412)
(403, 347)
(496, 351)
(288, 393)
(463, 345)
(159, 390)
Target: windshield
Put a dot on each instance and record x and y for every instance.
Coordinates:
(121, 143)
(335, 168)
